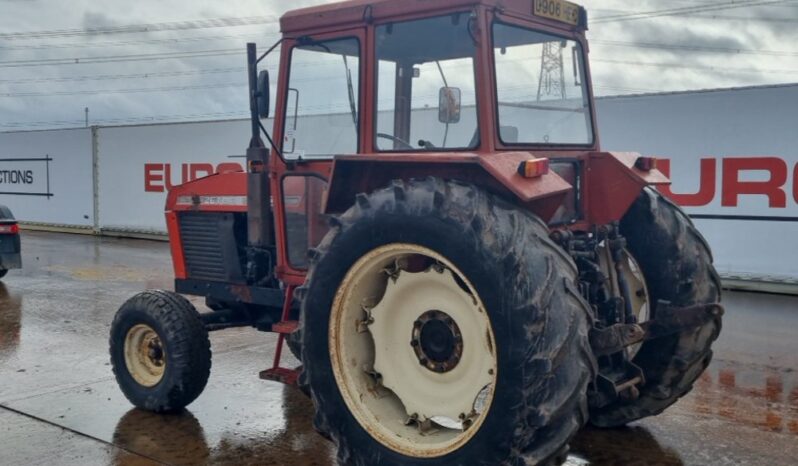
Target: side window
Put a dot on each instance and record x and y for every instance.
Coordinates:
(305, 225)
(322, 111)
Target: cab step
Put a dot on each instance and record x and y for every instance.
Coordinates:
(285, 327)
(282, 375)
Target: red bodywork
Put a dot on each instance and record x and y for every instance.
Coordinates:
(608, 182)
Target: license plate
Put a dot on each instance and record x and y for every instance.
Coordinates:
(559, 10)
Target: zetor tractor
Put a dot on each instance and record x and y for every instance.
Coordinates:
(433, 230)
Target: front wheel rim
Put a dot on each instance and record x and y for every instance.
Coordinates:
(413, 350)
(145, 355)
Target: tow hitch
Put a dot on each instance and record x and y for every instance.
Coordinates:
(624, 380)
(669, 320)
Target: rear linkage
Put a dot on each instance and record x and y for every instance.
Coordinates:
(606, 286)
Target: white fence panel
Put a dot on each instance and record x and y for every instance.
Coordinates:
(734, 161)
(138, 164)
(46, 176)
(732, 154)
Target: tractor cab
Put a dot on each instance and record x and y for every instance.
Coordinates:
(430, 88)
(442, 77)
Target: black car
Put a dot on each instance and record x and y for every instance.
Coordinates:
(10, 257)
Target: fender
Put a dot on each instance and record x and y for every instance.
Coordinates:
(613, 183)
(496, 173)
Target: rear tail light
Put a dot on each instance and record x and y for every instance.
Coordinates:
(12, 229)
(534, 168)
(646, 163)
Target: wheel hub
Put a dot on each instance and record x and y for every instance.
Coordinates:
(450, 363)
(437, 341)
(145, 355)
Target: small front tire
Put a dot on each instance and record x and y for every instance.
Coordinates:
(160, 351)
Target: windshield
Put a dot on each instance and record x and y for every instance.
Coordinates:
(541, 88)
(426, 98)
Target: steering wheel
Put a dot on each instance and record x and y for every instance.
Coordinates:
(396, 139)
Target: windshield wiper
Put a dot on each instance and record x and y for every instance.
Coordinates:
(351, 90)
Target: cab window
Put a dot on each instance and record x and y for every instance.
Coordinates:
(322, 109)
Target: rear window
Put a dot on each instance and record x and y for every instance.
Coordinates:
(5, 214)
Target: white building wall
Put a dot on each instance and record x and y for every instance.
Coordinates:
(757, 236)
(50, 176)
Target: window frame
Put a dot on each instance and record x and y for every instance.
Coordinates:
(586, 77)
(375, 100)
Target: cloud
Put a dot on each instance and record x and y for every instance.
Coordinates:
(696, 69)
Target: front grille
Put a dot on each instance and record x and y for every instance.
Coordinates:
(202, 246)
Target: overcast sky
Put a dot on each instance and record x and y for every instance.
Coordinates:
(146, 76)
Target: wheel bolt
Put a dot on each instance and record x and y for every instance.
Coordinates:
(414, 343)
(423, 361)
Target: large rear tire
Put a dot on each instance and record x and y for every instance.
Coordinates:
(677, 264)
(492, 271)
(160, 351)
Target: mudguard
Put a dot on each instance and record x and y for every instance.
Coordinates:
(613, 182)
(496, 173)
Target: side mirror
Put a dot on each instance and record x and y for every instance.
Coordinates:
(263, 94)
(449, 105)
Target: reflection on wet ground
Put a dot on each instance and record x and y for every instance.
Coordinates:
(59, 398)
(10, 322)
(181, 440)
(763, 397)
(628, 446)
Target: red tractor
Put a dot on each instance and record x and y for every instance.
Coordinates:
(435, 233)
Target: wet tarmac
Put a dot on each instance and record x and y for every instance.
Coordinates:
(59, 403)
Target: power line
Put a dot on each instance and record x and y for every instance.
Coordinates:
(687, 10)
(627, 89)
(123, 91)
(320, 78)
(109, 77)
(694, 48)
(174, 40)
(747, 19)
(193, 116)
(120, 58)
(143, 28)
(694, 67)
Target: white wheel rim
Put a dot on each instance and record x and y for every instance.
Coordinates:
(145, 355)
(641, 305)
(416, 409)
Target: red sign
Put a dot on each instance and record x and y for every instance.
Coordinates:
(733, 183)
(158, 177)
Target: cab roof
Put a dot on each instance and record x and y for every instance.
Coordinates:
(355, 12)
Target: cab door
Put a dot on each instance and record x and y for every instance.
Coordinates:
(318, 117)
